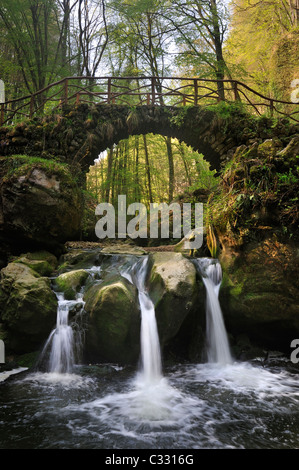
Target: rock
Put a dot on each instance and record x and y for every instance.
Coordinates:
(269, 147)
(79, 259)
(173, 288)
(41, 205)
(113, 333)
(71, 282)
(28, 307)
(259, 293)
(291, 151)
(122, 249)
(43, 262)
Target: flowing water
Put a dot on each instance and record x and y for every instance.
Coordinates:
(151, 370)
(215, 405)
(218, 349)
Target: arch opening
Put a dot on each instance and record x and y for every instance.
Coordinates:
(150, 168)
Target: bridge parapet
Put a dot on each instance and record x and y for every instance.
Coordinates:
(139, 91)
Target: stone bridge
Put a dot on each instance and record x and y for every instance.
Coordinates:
(79, 133)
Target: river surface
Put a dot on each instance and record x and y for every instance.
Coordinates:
(192, 406)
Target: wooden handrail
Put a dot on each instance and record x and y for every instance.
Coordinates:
(149, 90)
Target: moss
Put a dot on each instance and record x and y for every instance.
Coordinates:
(41, 262)
(27, 360)
(18, 165)
(71, 282)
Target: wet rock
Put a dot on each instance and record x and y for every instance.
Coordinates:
(259, 292)
(173, 288)
(113, 334)
(28, 307)
(71, 282)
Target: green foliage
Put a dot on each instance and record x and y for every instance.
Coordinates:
(226, 110)
(179, 119)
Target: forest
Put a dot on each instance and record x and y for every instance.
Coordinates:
(43, 41)
(118, 331)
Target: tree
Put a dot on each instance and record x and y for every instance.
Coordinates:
(32, 35)
(249, 50)
(200, 26)
(92, 35)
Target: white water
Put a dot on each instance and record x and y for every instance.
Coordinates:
(218, 349)
(151, 371)
(61, 340)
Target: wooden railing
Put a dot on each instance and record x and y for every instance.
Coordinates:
(137, 91)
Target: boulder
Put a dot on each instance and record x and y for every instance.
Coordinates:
(28, 307)
(259, 293)
(173, 288)
(42, 262)
(71, 282)
(41, 204)
(113, 333)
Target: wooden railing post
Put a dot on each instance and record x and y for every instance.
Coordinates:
(236, 93)
(271, 108)
(195, 92)
(153, 91)
(109, 91)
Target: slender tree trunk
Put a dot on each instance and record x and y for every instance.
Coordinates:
(109, 171)
(182, 152)
(148, 172)
(218, 48)
(171, 169)
(137, 184)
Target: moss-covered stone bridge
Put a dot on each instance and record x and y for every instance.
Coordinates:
(90, 115)
(79, 133)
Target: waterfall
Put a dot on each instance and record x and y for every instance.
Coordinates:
(151, 371)
(60, 345)
(218, 349)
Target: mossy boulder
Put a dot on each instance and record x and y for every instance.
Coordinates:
(43, 262)
(173, 288)
(113, 333)
(28, 307)
(259, 293)
(71, 282)
(41, 203)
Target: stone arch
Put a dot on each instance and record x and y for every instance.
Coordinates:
(78, 134)
(200, 130)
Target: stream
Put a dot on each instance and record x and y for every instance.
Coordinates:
(220, 404)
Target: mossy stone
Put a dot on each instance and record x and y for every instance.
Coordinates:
(113, 334)
(70, 283)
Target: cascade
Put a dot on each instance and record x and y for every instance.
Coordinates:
(218, 349)
(151, 371)
(60, 345)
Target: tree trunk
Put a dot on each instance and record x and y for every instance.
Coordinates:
(148, 172)
(171, 169)
(218, 49)
(109, 171)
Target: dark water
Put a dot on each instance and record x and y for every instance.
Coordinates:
(205, 406)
